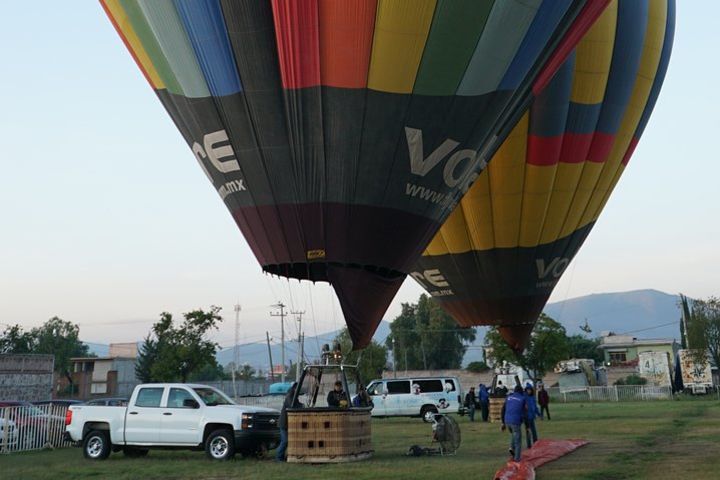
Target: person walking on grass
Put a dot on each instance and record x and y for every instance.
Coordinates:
(471, 403)
(532, 412)
(543, 401)
(514, 411)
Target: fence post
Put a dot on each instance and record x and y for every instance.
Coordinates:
(617, 398)
(6, 428)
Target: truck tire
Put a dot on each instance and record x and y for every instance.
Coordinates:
(135, 452)
(220, 445)
(426, 413)
(96, 445)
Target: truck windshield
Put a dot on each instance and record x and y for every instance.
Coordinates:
(212, 397)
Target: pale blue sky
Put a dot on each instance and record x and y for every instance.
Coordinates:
(107, 219)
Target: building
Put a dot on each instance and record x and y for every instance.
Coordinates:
(111, 376)
(624, 349)
(26, 378)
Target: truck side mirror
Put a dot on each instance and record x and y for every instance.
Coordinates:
(190, 403)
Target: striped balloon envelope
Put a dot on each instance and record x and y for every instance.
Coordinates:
(341, 134)
(499, 255)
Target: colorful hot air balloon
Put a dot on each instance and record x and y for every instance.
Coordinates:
(499, 255)
(340, 134)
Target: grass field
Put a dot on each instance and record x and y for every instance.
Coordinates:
(662, 440)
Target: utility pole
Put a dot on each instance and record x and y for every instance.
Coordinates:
(394, 358)
(299, 350)
(272, 374)
(281, 306)
(236, 355)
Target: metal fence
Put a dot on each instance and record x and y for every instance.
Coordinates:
(268, 401)
(32, 427)
(615, 393)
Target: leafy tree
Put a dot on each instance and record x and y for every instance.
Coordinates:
(373, 358)
(55, 337)
(15, 340)
(548, 345)
(581, 347)
(477, 367)
(174, 353)
(209, 373)
(246, 372)
(425, 337)
(703, 333)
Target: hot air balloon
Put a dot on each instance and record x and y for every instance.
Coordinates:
(341, 134)
(499, 255)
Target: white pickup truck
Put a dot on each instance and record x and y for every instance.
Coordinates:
(173, 415)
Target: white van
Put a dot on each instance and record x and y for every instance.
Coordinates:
(416, 396)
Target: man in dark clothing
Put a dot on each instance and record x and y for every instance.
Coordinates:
(362, 399)
(337, 398)
(484, 397)
(543, 401)
(514, 412)
(470, 403)
(500, 390)
(287, 403)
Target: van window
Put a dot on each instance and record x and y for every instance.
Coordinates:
(375, 388)
(429, 386)
(452, 385)
(398, 386)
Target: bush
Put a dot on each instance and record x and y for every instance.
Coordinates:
(631, 380)
(477, 367)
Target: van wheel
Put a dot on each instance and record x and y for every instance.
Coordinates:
(96, 445)
(220, 445)
(427, 412)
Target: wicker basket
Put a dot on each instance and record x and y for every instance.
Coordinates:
(320, 435)
(496, 405)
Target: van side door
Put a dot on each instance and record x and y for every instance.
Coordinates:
(376, 390)
(398, 400)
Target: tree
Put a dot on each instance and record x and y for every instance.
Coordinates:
(477, 367)
(246, 372)
(56, 337)
(147, 356)
(372, 358)
(15, 340)
(581, 347)
(174, 353)
(548, 345)
(632, 379)
(703, 329)
(425, 337)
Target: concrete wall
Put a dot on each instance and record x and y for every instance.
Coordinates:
(26, 377)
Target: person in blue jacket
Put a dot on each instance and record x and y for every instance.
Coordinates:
(532, 412)
(484, 397)
(514, 412)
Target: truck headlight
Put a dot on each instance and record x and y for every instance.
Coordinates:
(246, 421)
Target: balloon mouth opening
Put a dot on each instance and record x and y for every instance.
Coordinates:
(318, 271)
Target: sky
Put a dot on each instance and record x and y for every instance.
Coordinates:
(107, 221)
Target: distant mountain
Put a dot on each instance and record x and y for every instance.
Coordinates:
(256, 354)
(639, 312)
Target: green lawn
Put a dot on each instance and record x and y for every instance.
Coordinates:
(662, 440)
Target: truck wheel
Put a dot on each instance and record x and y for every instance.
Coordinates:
(96, 445)
(220, 445)
(427, 412)
(134, 452)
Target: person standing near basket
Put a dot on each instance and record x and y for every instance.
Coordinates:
(484, 397)
(470, 403)
(280, 454)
